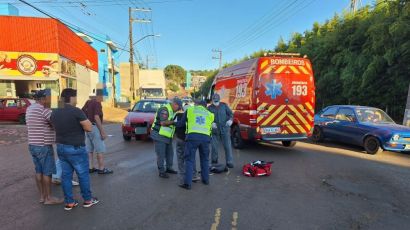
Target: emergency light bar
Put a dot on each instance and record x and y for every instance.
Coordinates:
(282, 54)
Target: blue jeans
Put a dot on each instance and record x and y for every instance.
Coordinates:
(74, 158)
(59, 170)
(190, 152)
(43, 159)
(225, 136)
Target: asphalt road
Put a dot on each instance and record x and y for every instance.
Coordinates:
(330, 186)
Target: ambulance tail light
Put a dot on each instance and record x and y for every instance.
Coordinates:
(253, 115)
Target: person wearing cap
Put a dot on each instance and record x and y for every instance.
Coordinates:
(95, 140)
(40, 140)
(70, 124)
(221, 130)
(198, 121)
(162, 136)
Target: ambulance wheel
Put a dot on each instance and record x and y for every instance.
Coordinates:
(317, 135)
(288, 143)
(237, 141)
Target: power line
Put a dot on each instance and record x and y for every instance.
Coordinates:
(73, 27)
(263, 27)
(99, 3)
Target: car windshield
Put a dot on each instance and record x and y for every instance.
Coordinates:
(372, 115)
(148, 106)
(152, 93)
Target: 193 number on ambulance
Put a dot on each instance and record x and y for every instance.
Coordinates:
(299, 90)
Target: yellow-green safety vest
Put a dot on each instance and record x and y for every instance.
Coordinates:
(164, 131)
(199, 120)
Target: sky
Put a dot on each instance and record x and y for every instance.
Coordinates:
(190, 29)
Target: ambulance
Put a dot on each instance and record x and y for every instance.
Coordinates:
(272, 98)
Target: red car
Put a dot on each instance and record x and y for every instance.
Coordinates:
(140, 118)
(14, 109)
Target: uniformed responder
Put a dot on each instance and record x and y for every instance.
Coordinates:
(180, 133)
(221, 130)
(162, 136)
(198, 122)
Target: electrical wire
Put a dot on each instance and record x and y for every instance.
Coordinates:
(69, 25)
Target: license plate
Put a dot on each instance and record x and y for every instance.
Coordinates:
(271, 130)
(141, 130)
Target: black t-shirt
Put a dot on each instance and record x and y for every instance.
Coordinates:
(180, 131)
(66, 122)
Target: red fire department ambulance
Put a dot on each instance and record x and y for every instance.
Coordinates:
(272, 97)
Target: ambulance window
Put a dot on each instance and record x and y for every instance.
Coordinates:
(329, 112)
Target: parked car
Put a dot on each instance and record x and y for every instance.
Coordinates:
(14, 109)
(140, 118)
(364, 126)
(272, 98)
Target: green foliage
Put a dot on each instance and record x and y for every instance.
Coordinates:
(175, 73)
(173, 87)
(360, 58)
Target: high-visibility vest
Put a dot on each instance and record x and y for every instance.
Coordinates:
(162, 130)
(199, 120)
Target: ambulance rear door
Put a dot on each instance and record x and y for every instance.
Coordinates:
(285, 100)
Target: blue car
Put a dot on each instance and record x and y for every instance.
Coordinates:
(368, 127)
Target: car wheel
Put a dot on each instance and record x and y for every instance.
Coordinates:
(22, 119)
(317, 135)
(372, 145)
(237, 141)
(289, 143)
(126, 138)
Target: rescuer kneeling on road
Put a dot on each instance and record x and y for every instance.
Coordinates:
(198, 121)
(221, 129)
(162, 136)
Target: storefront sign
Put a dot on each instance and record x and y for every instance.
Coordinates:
(26, 64)
(22, 64)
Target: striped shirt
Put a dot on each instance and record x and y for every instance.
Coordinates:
(40, 131)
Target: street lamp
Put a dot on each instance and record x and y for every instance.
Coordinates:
(149, 35)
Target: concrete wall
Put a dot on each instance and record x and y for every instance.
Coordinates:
(86, 79)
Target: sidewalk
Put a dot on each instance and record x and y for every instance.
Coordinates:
(11, 134)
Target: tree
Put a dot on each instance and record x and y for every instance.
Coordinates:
(175, 73)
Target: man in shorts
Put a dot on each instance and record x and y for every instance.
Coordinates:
(95, 138)
(40, 139)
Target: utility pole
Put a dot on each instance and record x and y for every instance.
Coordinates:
(113, 82)
(354, 5)
(220, 57)
(131, 20)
